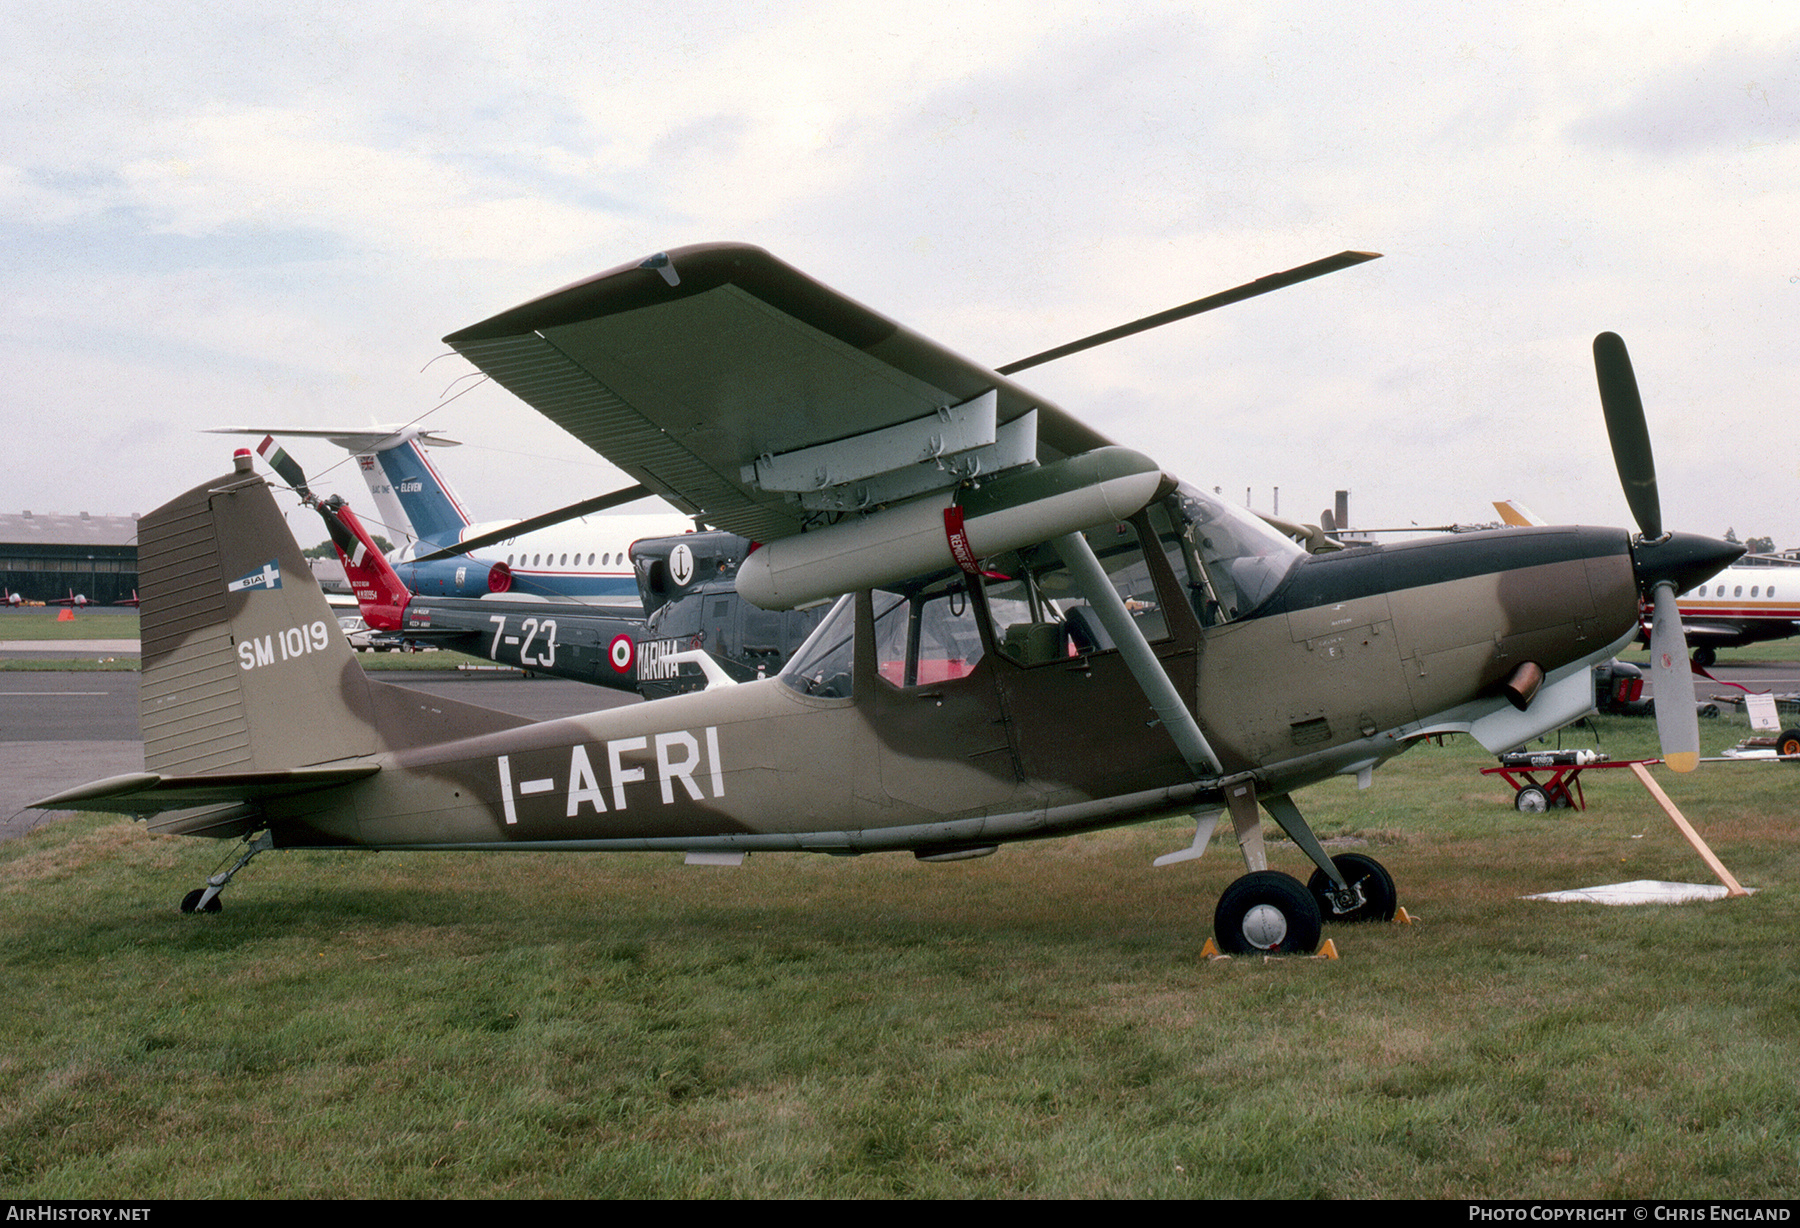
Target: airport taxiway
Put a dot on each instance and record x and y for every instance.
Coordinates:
(61, 729)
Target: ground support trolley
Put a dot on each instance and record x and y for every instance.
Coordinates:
(1561, 790)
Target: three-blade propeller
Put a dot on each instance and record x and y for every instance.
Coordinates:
(1664, 563)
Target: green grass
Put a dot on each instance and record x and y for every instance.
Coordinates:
(44, 625)
(1036, 1023)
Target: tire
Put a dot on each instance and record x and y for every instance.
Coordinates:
(1531, 800)
(1704, 657)
(191, 902)
(1269, 913)
(1788, 742)
(1379, 897)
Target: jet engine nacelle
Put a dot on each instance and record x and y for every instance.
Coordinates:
(951, 529)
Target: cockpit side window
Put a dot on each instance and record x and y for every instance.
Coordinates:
(929, 636)
(1040, 615)
(1230, 560)
(825, 666)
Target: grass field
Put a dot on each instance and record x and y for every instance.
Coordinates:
(36, 624)
(1037, 1023)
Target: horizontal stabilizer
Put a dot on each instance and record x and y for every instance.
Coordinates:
(153, 792)
(350, 438)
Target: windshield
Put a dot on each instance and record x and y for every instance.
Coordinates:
(1231, 560)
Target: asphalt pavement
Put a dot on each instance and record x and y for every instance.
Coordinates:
(62, 729)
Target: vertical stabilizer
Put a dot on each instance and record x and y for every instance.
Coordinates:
(244, 667)
(431, 508)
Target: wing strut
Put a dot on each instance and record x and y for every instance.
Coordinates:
(1165, 701)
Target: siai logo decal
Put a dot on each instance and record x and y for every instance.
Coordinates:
(267, 576)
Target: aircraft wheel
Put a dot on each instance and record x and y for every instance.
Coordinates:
(1704, 657)
(1788, 742)
(191, 901)
(1268, 912)
(1379, 896)
(1531, 800)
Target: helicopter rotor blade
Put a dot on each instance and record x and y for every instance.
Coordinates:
(286, 467)
(1237, 294)
(601, 503)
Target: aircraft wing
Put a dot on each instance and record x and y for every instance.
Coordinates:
(746, 393)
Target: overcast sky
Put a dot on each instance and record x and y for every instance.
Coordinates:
(273, 212)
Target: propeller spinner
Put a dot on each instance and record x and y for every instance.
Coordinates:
(1664, 563)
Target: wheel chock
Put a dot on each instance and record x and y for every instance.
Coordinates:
(1327, 950)
(1211, 950)
(1402, 917)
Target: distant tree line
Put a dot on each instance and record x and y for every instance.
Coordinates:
(325, 550)
(1753, 545)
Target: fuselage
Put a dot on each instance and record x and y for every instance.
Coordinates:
(587, 558)
(973, 710)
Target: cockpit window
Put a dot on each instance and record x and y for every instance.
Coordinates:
(826, 664)
(929, 636)
(1041, 615)
(1231, 560)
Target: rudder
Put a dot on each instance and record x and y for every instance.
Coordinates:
(244, 667)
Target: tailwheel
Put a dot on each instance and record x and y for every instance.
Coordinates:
(1268, 912)
(206, 899)
(1788, 742)
(1371, 896)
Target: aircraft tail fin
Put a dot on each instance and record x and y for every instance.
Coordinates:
(410, 495)
(380, 593)
(1515, 513)
(436, 514)
(244, 666)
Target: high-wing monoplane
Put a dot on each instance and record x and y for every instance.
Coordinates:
(1043, 632)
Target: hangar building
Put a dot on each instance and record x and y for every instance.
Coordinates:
(46, 557)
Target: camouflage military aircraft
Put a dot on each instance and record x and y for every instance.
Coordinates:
(1044, 633)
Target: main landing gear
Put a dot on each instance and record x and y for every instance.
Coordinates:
(1269, 912)
(206, 899)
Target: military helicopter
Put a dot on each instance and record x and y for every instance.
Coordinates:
(1042, 634)
(693, 631)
